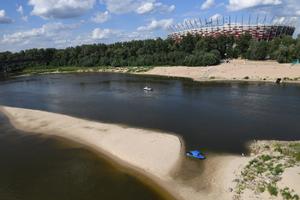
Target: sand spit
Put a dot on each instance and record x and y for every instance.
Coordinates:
(239, 70)
(154, 155)
(154, 152)
(157, 156)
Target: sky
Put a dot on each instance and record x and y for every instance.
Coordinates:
(26, 24)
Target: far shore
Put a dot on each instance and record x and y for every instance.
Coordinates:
(157, 156)
(236, 70)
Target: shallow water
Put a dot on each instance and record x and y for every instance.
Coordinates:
(40, 168)
(210, 116)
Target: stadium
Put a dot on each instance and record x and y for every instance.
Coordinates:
(258, 28)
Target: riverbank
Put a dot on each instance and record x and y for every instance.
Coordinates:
(49, 70)
(156, 155)
(236, 70)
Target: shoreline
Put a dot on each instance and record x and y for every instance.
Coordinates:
(153, 180)
(168, 182)
(177, 178)
(235, 71)
(240, 71)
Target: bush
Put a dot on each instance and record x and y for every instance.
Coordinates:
(210, 59)
(272, 190)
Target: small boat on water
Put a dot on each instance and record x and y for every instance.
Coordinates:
(148, 88)
(195, 154)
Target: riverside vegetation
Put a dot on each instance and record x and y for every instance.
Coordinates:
(190, 51)
(265, 170)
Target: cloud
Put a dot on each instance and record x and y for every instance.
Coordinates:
(155, 25)
(137, 6)
(215, 17)
(235, 5)
(101, 17)
(60, 8)
(4, 19)
(281, 9)
(48, 31)
(99, 34)
(21, 12)
(145, 8)
(207, 4)
(111, 35)
(150, 7)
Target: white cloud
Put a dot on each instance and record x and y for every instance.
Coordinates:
(215, 17)
(119, 7)
(60, 8)
(21, 12)
(152, 6)
(111, 35)
(4, 19)
(286, 10)
(138, 6)
(207, 4)
(155, 25)
(99, 34)
(101, 17)
(243, 4)
(48, 31)
(145, 8)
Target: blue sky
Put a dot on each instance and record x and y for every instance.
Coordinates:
(62, 23)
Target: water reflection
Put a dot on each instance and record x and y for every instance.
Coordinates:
(214, 116)
(36, 167)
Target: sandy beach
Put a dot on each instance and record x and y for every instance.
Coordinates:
(158, 156)
(238, 70)
(155, 154)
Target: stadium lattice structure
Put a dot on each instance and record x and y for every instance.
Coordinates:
(259, 28)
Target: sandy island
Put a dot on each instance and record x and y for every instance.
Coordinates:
(239, 70)
(156, 155)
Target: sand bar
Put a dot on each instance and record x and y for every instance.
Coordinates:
(153, 153)
(156, 155)
(239, 70)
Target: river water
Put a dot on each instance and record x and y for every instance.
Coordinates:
(219, 117)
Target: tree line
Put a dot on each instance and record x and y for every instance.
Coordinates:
(190, 51)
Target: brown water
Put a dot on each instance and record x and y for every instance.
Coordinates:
(41, 168)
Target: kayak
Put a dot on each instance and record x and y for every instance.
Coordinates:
(148, 88)
(195, 154)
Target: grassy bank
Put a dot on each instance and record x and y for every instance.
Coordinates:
(70, 69)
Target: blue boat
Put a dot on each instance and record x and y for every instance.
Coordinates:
(195, 154)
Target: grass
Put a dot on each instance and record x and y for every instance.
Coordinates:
(264, 171)
(66, 69)
(272, 189)
(295, 151)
